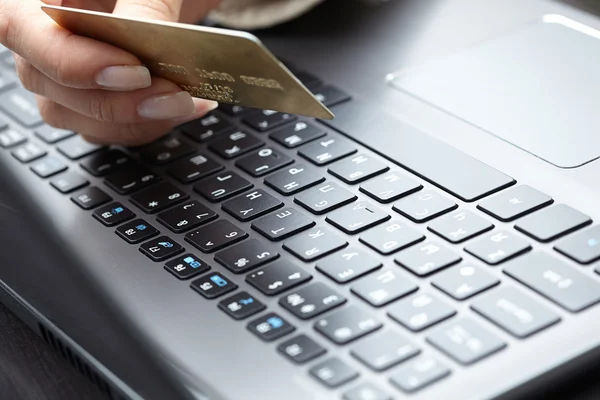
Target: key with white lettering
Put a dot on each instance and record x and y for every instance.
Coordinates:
(311, 300)
(222, 186)
(294, 179)
(347, 325)
(333, 372)
(390, 186)
(235, 144)
(186, 216)
(460, 226)
(348, 265)
(265, 120)
(297, 134)
(391, 237)
(314, 243)
(426, 258)
(515, 312)
(324, 198)
(555, 280)
(251, 205)
(301, 349)
(22, 106)
(246, 256)
(215, 236)
(383, 287)
(420, 311)
(282, 224)
(356, 217)
(327, 150)
(192, 168)
(206, 128)
(384, 350)
(358, 168)
(419, 374)
(499, 246)
(278, 277)
(263, 161)
(464, 281)
(423, 206)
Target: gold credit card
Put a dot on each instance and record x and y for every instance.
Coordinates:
(224, 65)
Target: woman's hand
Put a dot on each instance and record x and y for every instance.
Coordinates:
(93, 88)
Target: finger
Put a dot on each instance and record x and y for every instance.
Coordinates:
(164, 10)
(103, 133)
(163, 100)
(66, 58)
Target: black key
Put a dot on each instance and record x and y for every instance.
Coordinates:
(241, 305)
(514, 203)
(347, 325)
(294, 179)
(464, 281)
(356, 217)
(113, 214)
(420, 311)
(438, 162)
(131, 178)
(206, 128)
(11, 138)
(390, 186)
(426, 258)
(136, 231)
(555, 280)
(165, 150)
(193, 168)
(583, 247)
(186, 266)
(22, 106)
(246, 256)
(90, 197)
(330, 95)
(297, 134)
(384, 350)
(186, 216)
(251, 205)
(278, 277)
(324, 198)
(222, 186)
(52, 135)
(552, 222)
(460, 225)
(465, 341)
(391, 237)
(158, 197)
(418, 374)
(235, 144)
(215, 236)
(347, 265)
(266, 120)
(76, 147)
(213, 285)
(270, 327)
(283, 224)
(263, 161)
(161, 248)
(311, 300)
(383, 287)
(314, 243)
(301, 349)
(366, 391)
(28, 152)
(515, 312)
(47, 167)
(104, 162)
(327, 150)
(69, 182)
(497, 247)
(357, 169)
(423, 206)
(235, 111)
(333, 372)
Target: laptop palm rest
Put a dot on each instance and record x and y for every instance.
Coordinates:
(538, 88)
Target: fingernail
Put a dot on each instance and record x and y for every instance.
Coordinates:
(201, 108)
(126, 77)
(167, 107)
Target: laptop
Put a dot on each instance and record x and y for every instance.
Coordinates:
(436, 240)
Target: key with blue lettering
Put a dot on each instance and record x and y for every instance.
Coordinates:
(213, 285)
(270, 327)
(186, 266)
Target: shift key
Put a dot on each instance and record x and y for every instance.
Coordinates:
(555, 280)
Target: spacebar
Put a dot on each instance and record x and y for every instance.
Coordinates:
(435, 161)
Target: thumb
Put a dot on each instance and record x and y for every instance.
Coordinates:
(164, 10)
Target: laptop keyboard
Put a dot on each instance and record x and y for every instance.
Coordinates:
(181, 187)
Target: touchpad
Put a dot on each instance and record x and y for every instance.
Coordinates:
(538, 88)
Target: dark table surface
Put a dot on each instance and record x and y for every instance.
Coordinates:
(29, 368)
